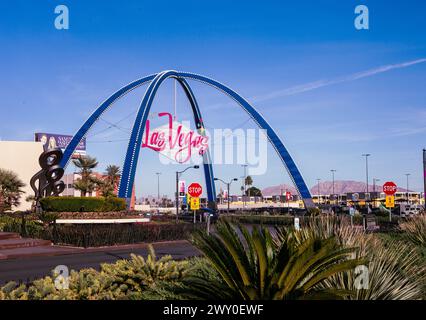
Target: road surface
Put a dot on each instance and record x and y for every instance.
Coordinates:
(31, 268)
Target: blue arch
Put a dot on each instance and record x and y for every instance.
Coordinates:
(81, 133)
(276, 142)
(132, 154)
(208, 169)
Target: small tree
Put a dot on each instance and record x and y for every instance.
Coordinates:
(10, 189)
(253, 191)
(88, 182)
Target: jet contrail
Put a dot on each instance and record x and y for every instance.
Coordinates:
(328, 82)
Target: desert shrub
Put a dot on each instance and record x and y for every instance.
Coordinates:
(395, 269)
(4, 221)
(324, 227)
(259, 219)
(415, 229)
(395, 272)
(145, 278)
(314, 212)
(83, 204)
(32, 228)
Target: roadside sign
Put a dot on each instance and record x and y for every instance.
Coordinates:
(195, 203)
(195, 190)
(182, 185)
(296, 224)
(390, 201)
(288, 195)
(355, 196)
(389, 188)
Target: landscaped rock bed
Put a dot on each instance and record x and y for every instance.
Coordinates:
(100, 215)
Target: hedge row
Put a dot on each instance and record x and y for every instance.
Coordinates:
(97, 235)
(83, 204)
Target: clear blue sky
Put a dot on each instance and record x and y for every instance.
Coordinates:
(269, 51)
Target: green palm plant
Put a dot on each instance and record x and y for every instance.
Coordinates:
(110, 182)
(253, 266)
(10, 189)
(87, 182)
(112, 173)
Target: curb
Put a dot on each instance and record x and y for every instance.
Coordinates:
(65, 250)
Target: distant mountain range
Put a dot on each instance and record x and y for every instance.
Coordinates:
(326, 187)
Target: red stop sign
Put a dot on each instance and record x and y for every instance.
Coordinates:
(195, 190)
(389, 188)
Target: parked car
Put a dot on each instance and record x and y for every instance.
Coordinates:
(407, 210)
(203, 212)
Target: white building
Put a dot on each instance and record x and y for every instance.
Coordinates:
(21, 157)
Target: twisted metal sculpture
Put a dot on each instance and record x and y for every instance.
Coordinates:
(49, 177)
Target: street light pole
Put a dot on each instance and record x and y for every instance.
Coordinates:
(332, 172)
(228, 185)
(366, 155)
(158, 186)
(177, 189)
(319, 194)
(424, 176)
(408, 199)
(245, 178)
(374, 190)
(177, 195)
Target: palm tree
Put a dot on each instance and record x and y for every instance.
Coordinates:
(87, 182)
(111, 180)
(10, 189)
(261, 268)
(113, 173)
(248, 182)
